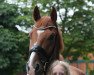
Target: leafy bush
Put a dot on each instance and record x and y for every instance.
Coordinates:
(12, 51)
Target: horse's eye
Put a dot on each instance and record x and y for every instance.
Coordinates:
(51, 37)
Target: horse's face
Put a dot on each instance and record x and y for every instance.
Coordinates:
(43, 38)
(43, 34)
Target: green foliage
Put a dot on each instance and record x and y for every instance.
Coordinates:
(11, 15)
(24, 19)
(12, 51)
(8, 14)
(2, 1)
(13, 43)
(79, 33)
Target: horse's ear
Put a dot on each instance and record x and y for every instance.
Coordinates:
(36, 14)
(53, 14)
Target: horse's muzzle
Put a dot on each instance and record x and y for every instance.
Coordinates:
(42, 56)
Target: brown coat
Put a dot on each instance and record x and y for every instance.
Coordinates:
(75, 71)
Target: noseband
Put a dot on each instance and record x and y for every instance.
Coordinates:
(45, 60)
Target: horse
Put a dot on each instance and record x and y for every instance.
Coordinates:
(45, 43)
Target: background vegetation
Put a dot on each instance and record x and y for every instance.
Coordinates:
(77, 29)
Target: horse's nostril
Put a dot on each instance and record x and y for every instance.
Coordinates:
(28, 68)
(37, 67)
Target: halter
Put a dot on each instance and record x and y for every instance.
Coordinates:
(44, 28)
(44, 59)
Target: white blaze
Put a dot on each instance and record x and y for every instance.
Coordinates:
(33, 55)
(39, 32)
(32, 58)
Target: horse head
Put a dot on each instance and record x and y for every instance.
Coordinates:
(45, 41)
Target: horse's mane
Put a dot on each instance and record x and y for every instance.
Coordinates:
(44, 21)
(61, 40)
